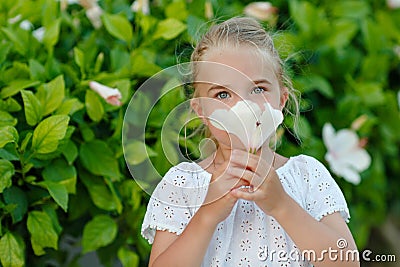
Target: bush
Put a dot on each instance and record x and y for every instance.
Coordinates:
(65, 188)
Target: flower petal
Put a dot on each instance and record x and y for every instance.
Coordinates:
(358, 159)
(351, 175)
(270, 120)
(344, 141)
(328, 135)
(111, 95)
(240, 120)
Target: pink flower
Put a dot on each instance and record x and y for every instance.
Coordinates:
(264, 11)
(111, 95)
(346, 155)
(393, 4)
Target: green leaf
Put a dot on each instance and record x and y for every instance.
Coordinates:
(136, 152)
(8, 134)
(98, 158)
(342, 32)
(16, 39)
(69, 107)
(351, 9)
(177, 10)
(6, 172)
(10, 105)
(26, 140)
(58, 192)
(43, 234)
(9, 152)
(60, 172)
(11, 251)
(51, 95)
(6, 119)
(15, 196)
(169, 29)
(37, 70)
(79, 58)
(128, 258)
(51, 34)
(94, 107)
(50, 210)
(48, 133)
(5, 48)
(100, 194)
(33, 108)
(70, 152)
(15, 86)
(142, 66)
(315, 82)
(118, 26)
(99, 232)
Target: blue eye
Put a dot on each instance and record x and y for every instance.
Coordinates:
(223, 95)
(258, 90)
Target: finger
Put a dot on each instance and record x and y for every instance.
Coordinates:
(244, 159)
(241, 173)
(244, 193)
(251, 177)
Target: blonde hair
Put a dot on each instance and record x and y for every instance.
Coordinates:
(239, 31)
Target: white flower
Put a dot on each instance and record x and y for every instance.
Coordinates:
(26, 25)
(261, 10)
(141, 6)
(248, 122)
(94, 15)
(93, 12)
(345, 155)
(393, 4)
(39, 34)
(111, 95)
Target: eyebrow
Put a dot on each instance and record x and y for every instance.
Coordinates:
(227, 86)
(262, 81)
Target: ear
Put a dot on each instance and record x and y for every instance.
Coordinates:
(196, 106)
(283, 97)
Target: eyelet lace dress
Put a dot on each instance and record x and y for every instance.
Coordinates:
(247, 237)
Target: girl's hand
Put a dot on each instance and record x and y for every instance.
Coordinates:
(265, 188)
(220, 200)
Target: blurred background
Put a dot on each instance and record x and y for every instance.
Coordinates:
(67, 197)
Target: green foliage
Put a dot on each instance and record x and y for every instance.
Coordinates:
(62, 171)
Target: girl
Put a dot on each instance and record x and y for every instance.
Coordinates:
(237, 208)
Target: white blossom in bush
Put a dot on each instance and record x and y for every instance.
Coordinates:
(393, 4)
(93, 12)
(264, 11)
(39, 34)
(110, 95)
(141, 6)
(346, 155)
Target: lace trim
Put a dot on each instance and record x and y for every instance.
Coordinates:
(149, 231)
(344, 212)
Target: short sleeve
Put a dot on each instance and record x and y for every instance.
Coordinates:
(323, 193)
(175, 200)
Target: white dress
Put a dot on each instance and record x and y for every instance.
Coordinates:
(247, 237)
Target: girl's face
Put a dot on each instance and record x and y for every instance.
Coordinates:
(230, 75)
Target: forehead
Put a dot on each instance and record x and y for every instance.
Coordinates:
(234, 64)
